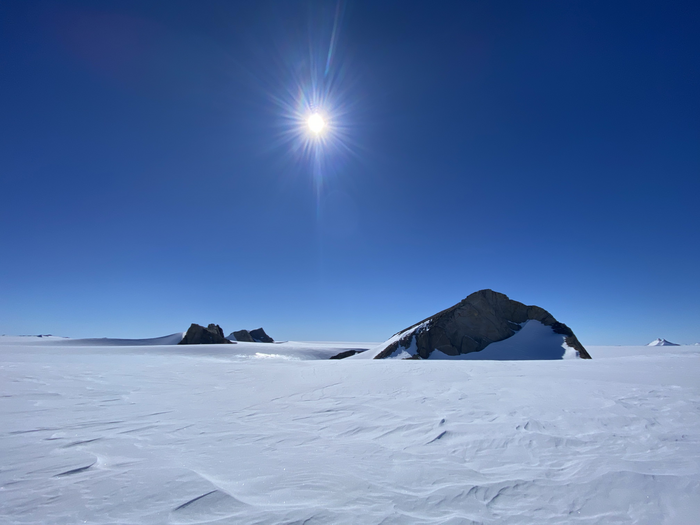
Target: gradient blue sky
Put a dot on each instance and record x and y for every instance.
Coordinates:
(152, 173)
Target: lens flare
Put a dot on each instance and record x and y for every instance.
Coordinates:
(312, 85)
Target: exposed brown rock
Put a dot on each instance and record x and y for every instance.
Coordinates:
(260, 336)
(198, 335)
(253, 336)
(242, 335)
(484, 317)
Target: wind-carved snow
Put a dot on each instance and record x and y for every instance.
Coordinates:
(138, 435)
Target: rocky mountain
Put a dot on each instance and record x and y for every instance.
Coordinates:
(198, 335)
(662, 342)
(483, 318)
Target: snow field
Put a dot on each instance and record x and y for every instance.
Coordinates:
(127, 435)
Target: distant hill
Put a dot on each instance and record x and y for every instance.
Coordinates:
(662, 342)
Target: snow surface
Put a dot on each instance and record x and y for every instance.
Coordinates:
(199, 434)
(168, 344)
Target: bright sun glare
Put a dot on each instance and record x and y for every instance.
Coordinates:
(316, 123)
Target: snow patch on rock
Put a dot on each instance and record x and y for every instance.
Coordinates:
(404, 351)
(533, 341)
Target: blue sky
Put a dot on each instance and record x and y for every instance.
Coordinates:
(154, 171)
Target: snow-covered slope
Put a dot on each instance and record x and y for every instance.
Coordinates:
(533, 341)
(401, 352)
(661, 342)
(171, 339)
(179, 435)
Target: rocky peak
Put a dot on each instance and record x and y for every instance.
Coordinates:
(482, 318)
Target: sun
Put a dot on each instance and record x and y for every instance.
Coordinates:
(316, 123)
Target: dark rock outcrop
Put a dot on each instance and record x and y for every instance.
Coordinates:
(348, 353)
(259, 336)
(198, 335)
(484, 317)
(253, 336)
(242, 335)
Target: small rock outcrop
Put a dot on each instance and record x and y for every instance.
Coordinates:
(198, 335)
(484, 317)
(259, 336)
(241, 335)
(253, 336)
(348, 353)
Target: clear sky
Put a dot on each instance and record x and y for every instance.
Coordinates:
(155, 170)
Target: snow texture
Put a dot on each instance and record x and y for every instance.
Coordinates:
(214, 434)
